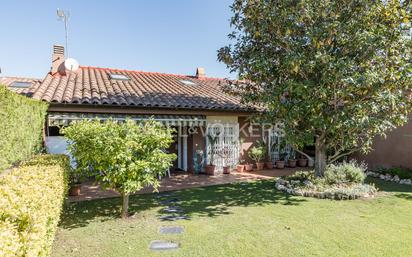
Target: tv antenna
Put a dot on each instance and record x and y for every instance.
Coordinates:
(64, 16)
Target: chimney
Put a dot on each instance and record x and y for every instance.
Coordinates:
(200, 73)
(58, 60)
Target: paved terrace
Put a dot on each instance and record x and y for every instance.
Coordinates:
(90, 190)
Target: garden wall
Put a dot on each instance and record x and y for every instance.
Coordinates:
(22, 120)
(393, 151)
(31, 200)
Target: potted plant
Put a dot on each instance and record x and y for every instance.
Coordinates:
(292, 159)
(302, 161)
(240, 167)
(249, 167)
(76, 178)
(198, 161)
(225, 153)
(280, 164)
(269, 164)
(257, 154)
(210, 168)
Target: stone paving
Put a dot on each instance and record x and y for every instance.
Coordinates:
(166, 200)
(90, 190)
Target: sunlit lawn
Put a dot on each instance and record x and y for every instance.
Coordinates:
(247, 219)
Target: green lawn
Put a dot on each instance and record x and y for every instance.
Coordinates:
(247, 219)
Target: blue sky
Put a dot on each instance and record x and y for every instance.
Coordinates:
(172, 36)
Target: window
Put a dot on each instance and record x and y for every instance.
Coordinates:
(20, 84)
(188, 82)
(118, 76)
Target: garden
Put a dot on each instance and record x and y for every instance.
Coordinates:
(243, 219)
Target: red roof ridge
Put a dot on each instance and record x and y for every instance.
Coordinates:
(150, 72)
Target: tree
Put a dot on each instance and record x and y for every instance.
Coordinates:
(122, 156)
(336, 73)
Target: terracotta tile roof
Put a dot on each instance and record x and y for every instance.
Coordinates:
(10, 83)
(93, 85)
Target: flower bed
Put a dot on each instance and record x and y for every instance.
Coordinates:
(341, 182)
(389, 177)
(336, 192)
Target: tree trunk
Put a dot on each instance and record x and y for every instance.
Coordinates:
(125, 206)
(320, 156)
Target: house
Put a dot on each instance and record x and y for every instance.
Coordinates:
(194, 105)
(18, 84)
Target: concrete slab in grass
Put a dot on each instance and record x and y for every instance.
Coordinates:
(171, 230)
(160, 245)
(174, 217)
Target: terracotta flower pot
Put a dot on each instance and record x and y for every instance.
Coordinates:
(292, 163)
(302, 162)
(269, 165)
(240, 168)
(75, 190)
(249, 167)
(260, 165)
(226, 170)
(280, 164)
(210, 169)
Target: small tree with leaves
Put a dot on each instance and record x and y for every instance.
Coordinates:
(122, 156)
(336, 73)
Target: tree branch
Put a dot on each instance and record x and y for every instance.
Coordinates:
(336, 157)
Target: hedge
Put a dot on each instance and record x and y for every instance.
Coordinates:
(22, 120)
(31, 200)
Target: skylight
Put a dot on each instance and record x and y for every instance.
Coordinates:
(188, 82)
(20, 84)
(118, 76)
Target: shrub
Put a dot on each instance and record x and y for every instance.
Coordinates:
(346, 172)
(257, 153)
(342, 181)
(31, 199)
(302, 176)
(22, 120)
(122, 156)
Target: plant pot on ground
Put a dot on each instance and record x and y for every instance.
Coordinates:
(257, 154)
(280, 164)
(226, 170)
(269, 165)
(240, 168)
(76, 178)
(292, 163)
(75, 189)
(292, 158)
(260, 165)
(225, 152)
(210, 169)
(302, 162)
(249, 167)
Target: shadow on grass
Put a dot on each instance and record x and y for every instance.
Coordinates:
(389, 186)
(206, 201)
(217, 200)
(398, 190)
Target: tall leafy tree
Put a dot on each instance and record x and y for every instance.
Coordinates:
(337, 73)
(122, 156)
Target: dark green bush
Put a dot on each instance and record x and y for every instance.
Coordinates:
(22, 120)
(402, 173)
(31, 200)
(346, 172)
